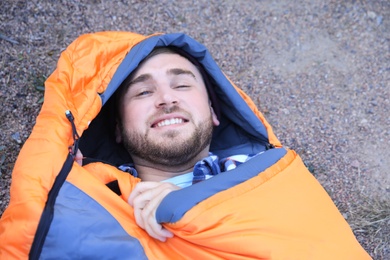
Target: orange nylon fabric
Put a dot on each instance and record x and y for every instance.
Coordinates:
(283, 213)
(84, 69)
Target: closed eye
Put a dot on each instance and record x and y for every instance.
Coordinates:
(144, 93)
(183, 86)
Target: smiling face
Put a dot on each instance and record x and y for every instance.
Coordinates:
(166, 116)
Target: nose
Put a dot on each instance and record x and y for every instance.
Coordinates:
(166, 99)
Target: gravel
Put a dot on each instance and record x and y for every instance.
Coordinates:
(319, 70)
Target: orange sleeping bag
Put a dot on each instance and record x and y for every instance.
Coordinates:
(270, 207)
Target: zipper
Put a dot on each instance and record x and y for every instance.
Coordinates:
(48, 211)
(269, 146)
(73, 149)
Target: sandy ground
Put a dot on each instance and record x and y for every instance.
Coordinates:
(319, 70)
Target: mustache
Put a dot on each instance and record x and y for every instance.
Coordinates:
(169, 110)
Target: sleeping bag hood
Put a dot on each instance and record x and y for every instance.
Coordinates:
(270, 207)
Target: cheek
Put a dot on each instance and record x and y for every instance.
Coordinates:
(128, 117)
(199, 101)
(132, 121)
(201, 110)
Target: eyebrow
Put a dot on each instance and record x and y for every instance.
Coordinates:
(175, 71)
(140, 78)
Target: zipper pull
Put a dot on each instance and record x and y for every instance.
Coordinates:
(269, 146)
(73, 149)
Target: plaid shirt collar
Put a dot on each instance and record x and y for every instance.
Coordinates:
(208, 166)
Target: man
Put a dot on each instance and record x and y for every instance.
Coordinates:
(174, 108)
(166, 124)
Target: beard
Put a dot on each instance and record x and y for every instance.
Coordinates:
(173, 149)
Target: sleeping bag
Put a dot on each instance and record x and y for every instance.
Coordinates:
(270, 207)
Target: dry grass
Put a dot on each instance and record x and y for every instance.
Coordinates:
(371, 219)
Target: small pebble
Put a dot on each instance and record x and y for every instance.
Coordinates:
(16, 137)
(355, 164)
(286, 111)
(371, 15)
(379, 20)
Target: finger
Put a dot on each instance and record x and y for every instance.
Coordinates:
(145, 191)
(148, 213)
(145, 205)
(146, 198)
(140, 197)
(151, 226)
(140, 188)
(138, 217)
(160, 234)
(152, 195)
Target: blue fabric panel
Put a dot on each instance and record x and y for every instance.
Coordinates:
(231, 102)
(177, 203)
(83, 229)
(224, 145)
(129, 63)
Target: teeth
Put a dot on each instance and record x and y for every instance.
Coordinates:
(170, 122)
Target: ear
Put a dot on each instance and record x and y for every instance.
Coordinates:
(214, 117)
(118, 133)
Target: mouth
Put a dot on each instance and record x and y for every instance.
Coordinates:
(170, 121)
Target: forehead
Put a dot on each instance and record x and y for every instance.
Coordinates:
(164, 62)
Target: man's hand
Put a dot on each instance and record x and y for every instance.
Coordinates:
(145, 199)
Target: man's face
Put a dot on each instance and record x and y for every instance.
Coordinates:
(166, 114)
